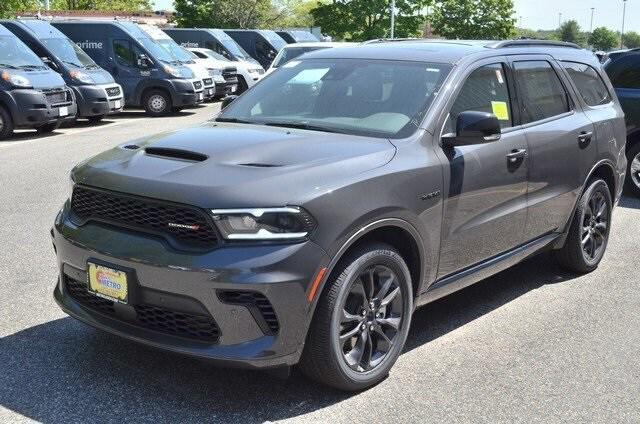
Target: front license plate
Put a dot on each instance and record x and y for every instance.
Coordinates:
(233, 88)
(200, 96)
(117, 104)
(63, 111)
(210, 92)
(108, 283)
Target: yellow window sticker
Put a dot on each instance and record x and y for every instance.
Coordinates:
(501, 110)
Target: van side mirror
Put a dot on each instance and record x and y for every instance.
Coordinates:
(50, 63)
(144, 61)
(473, 127)
(227, 101)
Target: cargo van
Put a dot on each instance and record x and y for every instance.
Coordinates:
(188, 59)
(263, 45)
(31, 94)
(297, 36)
(96, 92)
(247, 74)
(212, 39)
(150, 76)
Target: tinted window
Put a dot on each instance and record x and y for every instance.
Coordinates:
(589, 84)
(485, 90)
(124, 53)
(289, 53)
(625, 71)
(542, 93)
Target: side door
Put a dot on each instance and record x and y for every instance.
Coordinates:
(126, 71)
(560, 139)
(624, 73)
(485, 185)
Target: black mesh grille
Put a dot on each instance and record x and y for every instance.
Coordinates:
(113, 91)
(200, 327)
(258, 304)
(183, 226)
(56, 97)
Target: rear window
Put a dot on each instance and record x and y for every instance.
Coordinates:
(542, 93)
(588, 82)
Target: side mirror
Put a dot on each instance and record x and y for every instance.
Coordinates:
(227, 101)
(50, 63)
(473, 127)
(144, 61)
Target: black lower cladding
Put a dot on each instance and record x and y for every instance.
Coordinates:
(258, 304)
(168, 321)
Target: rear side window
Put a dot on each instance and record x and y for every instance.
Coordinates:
(541, 92)
(485, 90)
(624, 72)
(590, 86)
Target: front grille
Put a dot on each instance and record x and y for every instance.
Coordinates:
(175, 323)
(230, 74)
(207, 81)
(257, 303)
(56, 97)
(197, 85)
(113, 91)
(184, 227)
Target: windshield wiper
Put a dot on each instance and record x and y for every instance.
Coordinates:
(235, 121)
(31, 67)
(303, 125)
(71, 63)
(6, 65)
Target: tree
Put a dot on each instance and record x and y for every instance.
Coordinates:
(474, 19)
(9, 7)
(360, 20)
(570, 32)
(117, 5)
(222, 13)
(293, 13)
(631, 39)
(603, 39)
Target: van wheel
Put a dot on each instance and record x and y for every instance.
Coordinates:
(361, 321)
(633, 169)
(95, 119)
(6, 124)
(48, 128)
(589, 233)
(157, 103)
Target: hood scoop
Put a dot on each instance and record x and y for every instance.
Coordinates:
(179, 154)
(260, 165)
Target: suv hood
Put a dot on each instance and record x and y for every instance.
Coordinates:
(221, 165)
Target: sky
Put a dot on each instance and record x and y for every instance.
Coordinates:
(543, 14)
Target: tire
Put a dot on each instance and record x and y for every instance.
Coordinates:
(6, 124)
(95, 119)
(325, 357)
(157, 103)
(48, 128)
(591, 222)
(176, 109)
(633, 169)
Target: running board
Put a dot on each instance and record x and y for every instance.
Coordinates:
(469, 276)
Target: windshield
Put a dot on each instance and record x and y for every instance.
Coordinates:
(274, 39)
(15, 54)
(379, 98)
(289, 53)
(156, 50)
(233, 47)
(68, 52)
(175, 50)
(303, 36)
(214, 55)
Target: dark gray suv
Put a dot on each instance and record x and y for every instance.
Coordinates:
(310, 218)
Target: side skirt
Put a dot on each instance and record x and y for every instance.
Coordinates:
(475, 273)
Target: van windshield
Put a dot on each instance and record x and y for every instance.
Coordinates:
(157, 51)
(274, 39)
(377, 98)
(68, 52)
(15, 54)
(289, 53)
(175, 50)
(230, 44)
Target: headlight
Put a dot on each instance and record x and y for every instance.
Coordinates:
(215, 72)
(288, 223)
(177, 72)
(255, 71)
(16, 80)
(81, 76)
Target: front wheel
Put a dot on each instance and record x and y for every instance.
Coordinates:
(6, 124)
(361, 321)
(589, 233)
(95, 119)
(633, 169)
(157, 103)
(48, 128)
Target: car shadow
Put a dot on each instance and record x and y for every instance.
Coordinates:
(629, 200)
(63, 370)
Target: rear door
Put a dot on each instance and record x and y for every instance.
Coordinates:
(485, 185)
(560, 139)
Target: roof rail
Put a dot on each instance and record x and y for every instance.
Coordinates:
(531, 43)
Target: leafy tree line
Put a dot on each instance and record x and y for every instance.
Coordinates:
(8, 8)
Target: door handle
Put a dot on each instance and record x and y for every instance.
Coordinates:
(516, 155)
(585, 137)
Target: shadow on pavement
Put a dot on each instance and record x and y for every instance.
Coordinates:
(65, 371)
(629, 200)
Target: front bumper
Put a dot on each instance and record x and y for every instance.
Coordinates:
(196, 284)
(185, 94)
(31, 109)
(98, 100)
(226, 88)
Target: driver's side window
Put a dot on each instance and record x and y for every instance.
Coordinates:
(485, 90)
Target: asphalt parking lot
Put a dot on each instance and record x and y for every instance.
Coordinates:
(532, 344)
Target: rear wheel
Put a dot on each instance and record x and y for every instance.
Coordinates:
(633, 169)
(6, 124)
(589, 232)
(361, 321)
(48, 128)
(157, 103)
